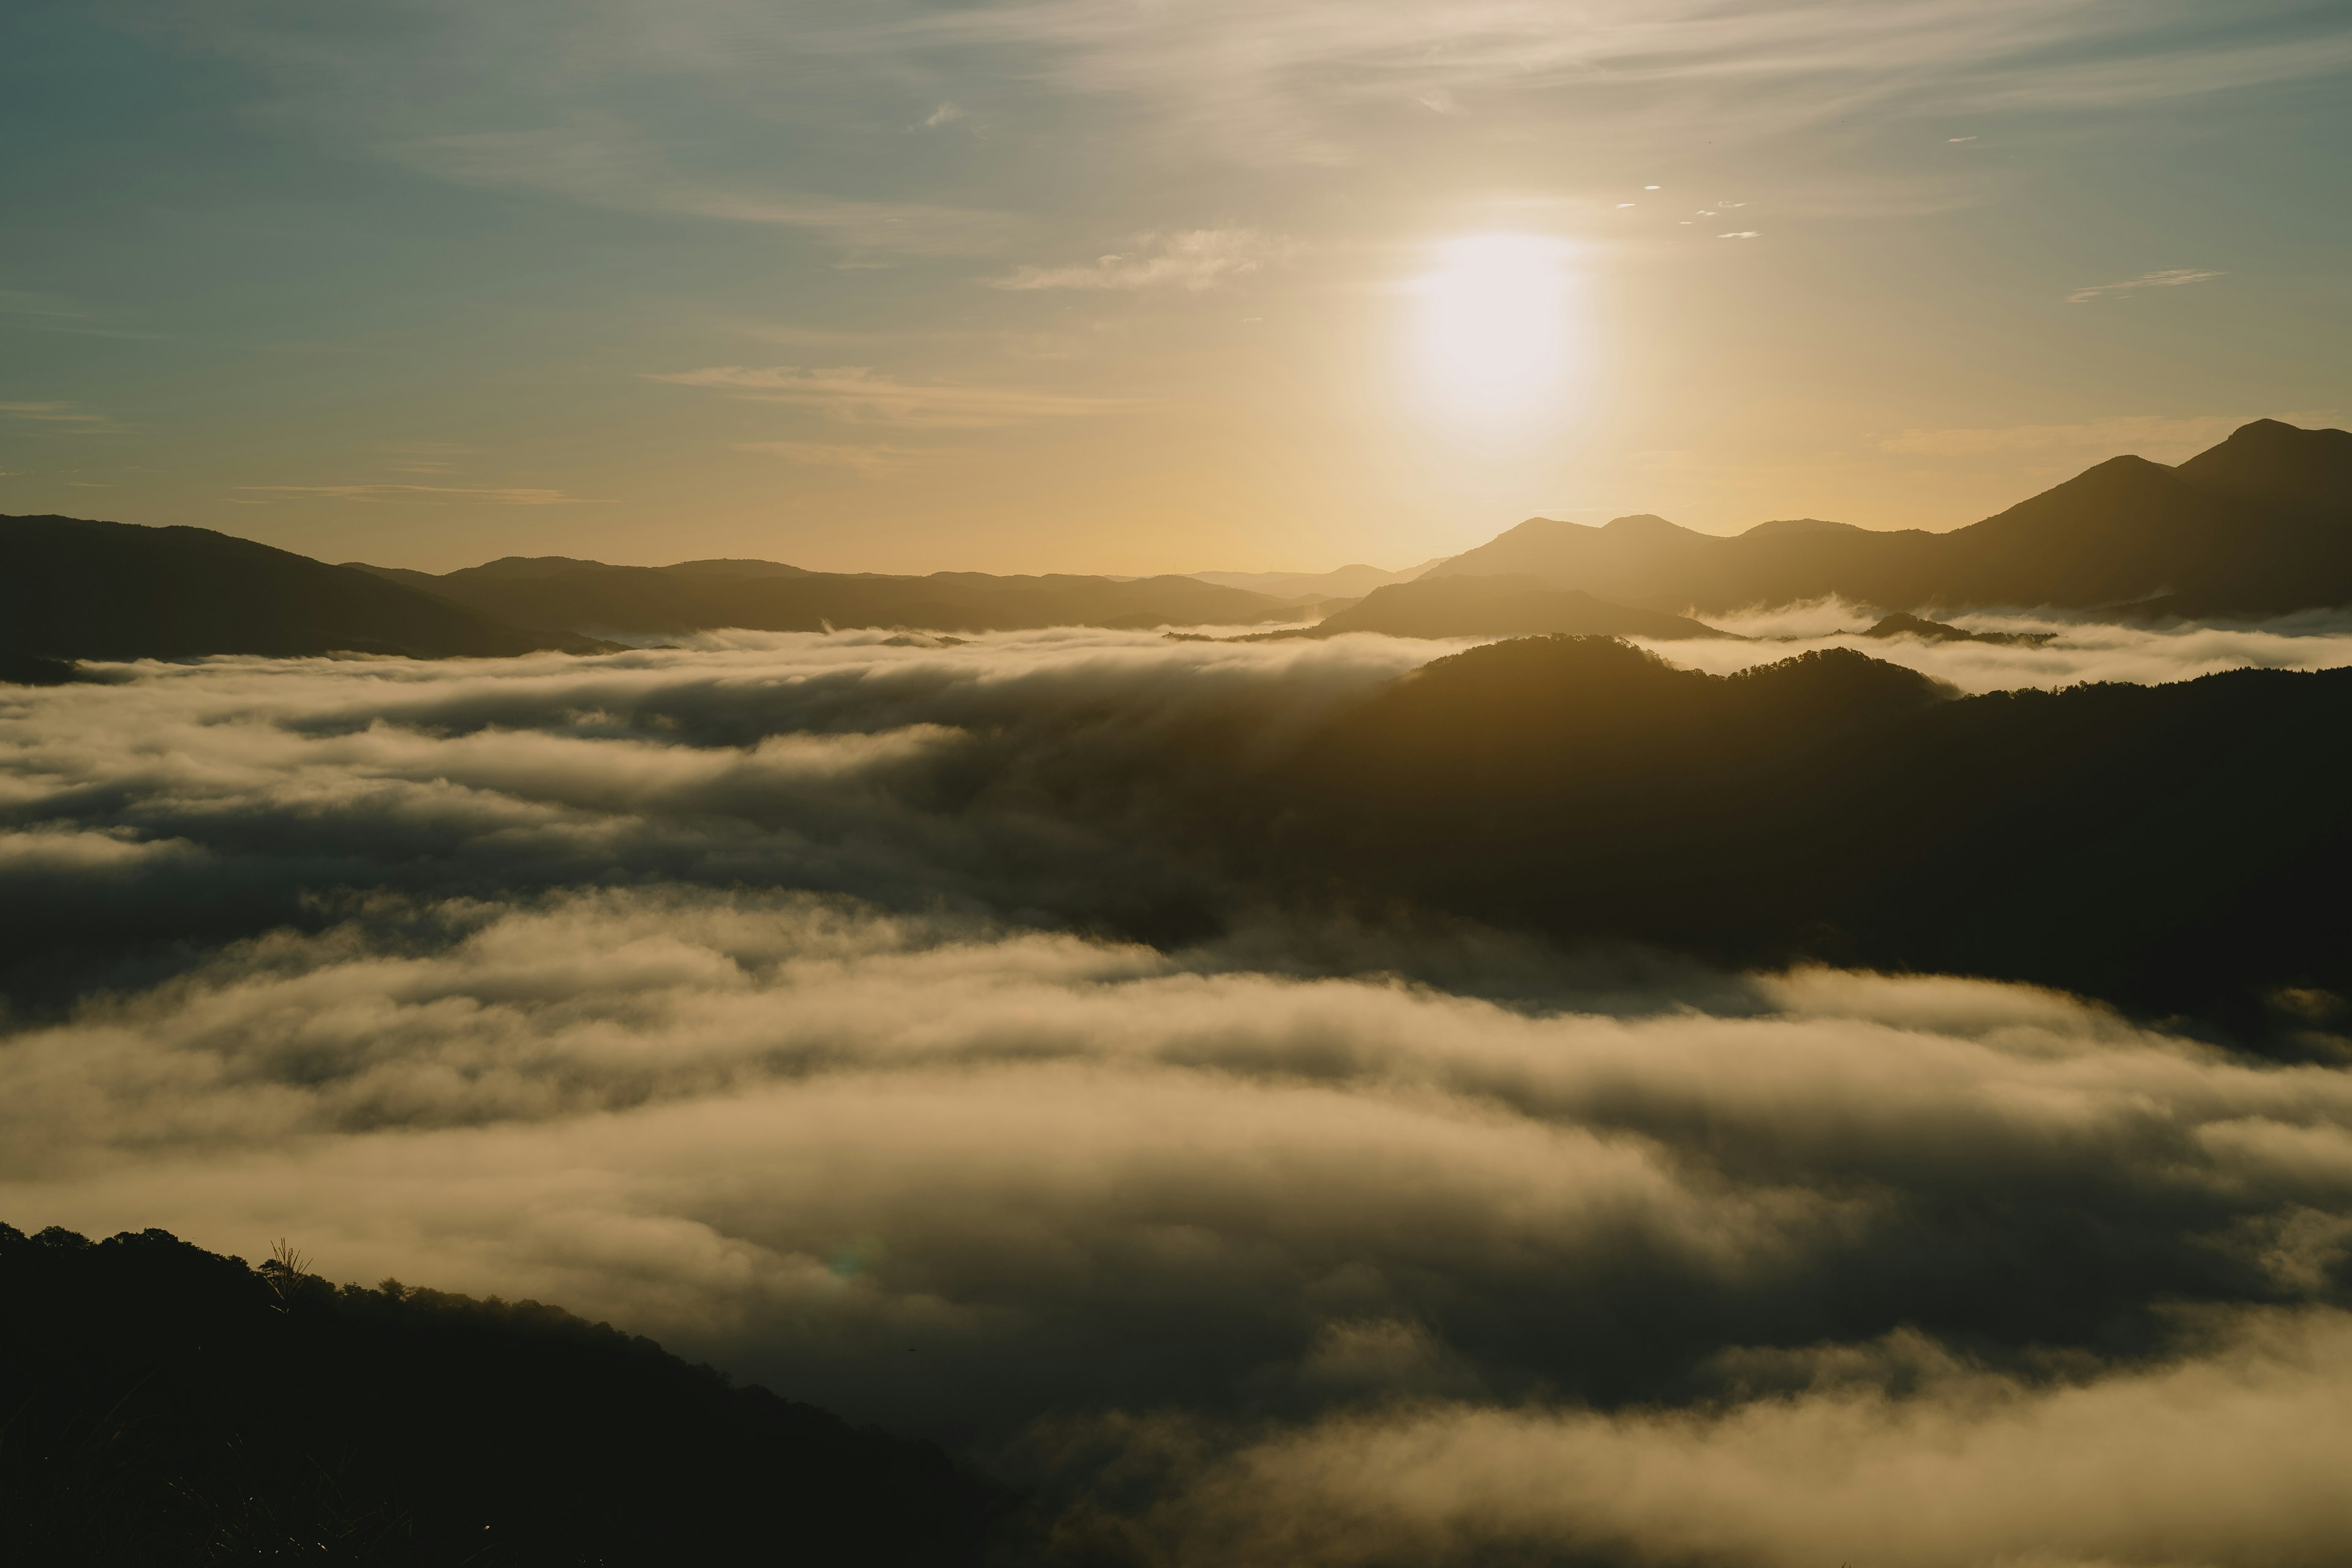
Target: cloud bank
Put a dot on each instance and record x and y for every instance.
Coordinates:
(2078, 650)
(1041, 778)
(765, 996)
(1832, 1252)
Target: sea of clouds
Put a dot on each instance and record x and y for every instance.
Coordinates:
(2080, 648)
(769, 997)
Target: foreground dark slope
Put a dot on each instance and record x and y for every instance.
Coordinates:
(590, 597)
(71, 588)
(166, 1405)
(2260, 525)
(2173, 848)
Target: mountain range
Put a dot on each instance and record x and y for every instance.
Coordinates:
(2259, 525)
(1517, 604)
(71, 588)
(2166, 848)
(1346, 582)
(555, 594)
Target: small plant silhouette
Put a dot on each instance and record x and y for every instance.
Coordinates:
(287, 1271)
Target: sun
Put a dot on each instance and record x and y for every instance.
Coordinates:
(1493, 335)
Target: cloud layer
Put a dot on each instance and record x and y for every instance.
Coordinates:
(2077, 650)
(1031, 777)
(1828, 1252)
(754, 995)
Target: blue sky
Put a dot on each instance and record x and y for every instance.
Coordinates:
(1145, 286)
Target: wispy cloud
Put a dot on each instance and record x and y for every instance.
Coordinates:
(2169, 280)
(945, 114)
(431, 495)
(855, 394)
(1295, 83)
(1193, 259)
(2167, 66)
(36, 310)
(64, 419)
(872, 461)
(612, 167)
(423, 457)
(37, 302)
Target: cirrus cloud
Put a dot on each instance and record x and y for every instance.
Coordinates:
(856, 394)
(1191, 260)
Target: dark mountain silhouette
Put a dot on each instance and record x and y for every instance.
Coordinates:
(718, 568)
(589, 597)
(2306, 470)
(1785, 526)
(2259, 525)
(27, 669)
(167, 1405)
(1514, 606)
(71, 589)
(2167, 847)
(1901, 624)
(1345, 582)
(531, 566)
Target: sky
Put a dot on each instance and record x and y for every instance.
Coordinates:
(1140, 287)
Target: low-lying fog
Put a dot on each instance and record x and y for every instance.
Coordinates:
(2079, 648)
(753, 995)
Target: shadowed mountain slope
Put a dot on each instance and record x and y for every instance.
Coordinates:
(2169, 848)
(1516, 606)
(71, 588)
(1346, 581)
(591, 597)
(169, 1405)
(2259, 525)
(1786, 526)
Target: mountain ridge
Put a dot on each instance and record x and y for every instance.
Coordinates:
(73, 588)
(1505, 604)
(2260, 525)
(558, 592)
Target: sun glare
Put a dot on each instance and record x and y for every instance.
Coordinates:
(1493, 329)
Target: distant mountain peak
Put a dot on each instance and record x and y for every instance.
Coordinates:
(1785, 527)
(734, 566)
(533, 566)
(2272, 462)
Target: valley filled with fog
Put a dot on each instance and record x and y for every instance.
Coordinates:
(897, 1023)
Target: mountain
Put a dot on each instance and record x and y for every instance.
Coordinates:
(530, 566)
(592, 598)
(168, 1404)
(729, 568)
(2310, 470)
(1901, 624)
(2259, 525)
(1784, 526)
(71, 588)
(1514, 605)
(2164, 848)
(1346, 583)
